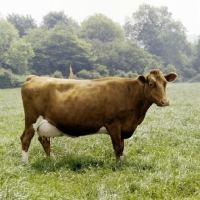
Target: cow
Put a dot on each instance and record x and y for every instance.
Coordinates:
(56, 107)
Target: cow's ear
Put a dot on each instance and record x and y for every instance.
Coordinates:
(141, 79)
(171, 77)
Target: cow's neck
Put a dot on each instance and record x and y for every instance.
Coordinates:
(143, 105)
(146, 102)
(140, 105)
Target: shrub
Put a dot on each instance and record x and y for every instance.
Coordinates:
(57, 74)
(84, 74)
(9, 80)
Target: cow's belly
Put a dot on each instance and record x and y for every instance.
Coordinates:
(78, 130)
(46, 129)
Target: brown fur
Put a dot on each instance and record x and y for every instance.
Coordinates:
(82, 107)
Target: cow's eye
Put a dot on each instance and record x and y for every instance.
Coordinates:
(151, 85)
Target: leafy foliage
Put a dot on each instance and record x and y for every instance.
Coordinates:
(8, 79)
(53, 18)
(114, 52)
(58, 48)
(7, 34)
(197, 57)
(18, 55)
(98, 47)
(57, 74)
(155, 30)
(22, 23)
(102, 28)
(15, 53)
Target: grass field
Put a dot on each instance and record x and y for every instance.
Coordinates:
(161, 161)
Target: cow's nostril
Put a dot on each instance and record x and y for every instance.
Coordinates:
(165, 102)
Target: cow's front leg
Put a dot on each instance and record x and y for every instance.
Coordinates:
(26, 138)
(118, 148)
(45, 142)
(118, 143)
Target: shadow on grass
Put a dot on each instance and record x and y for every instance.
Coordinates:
(73, 163)
(82, 164)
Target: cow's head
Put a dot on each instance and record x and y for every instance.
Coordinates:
(155, 86)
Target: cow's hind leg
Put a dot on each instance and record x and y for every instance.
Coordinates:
(26, 138)
(45, 142)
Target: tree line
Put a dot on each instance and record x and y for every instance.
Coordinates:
(97, 47)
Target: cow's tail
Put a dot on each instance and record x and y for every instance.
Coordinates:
(37, 123)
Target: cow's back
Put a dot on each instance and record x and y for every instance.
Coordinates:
(74, 105)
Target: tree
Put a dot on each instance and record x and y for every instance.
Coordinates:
(197, 57)
(57, 74)
(138, 60)
(105, 36)
(15, 53)
(84, 74)
(7, 34)
(22, 23)
(38, 38)
(102, 28)
(53, 18)
(8, 79)
(18, 56)
(102, 70)
(59, 48)
(158, 33)
(108, 54)
(123, 55)
(117, 55)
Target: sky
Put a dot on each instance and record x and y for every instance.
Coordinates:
(186, 11)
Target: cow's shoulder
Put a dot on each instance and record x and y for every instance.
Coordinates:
(30, 77)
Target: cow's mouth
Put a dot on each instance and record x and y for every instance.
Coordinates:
(163, 102)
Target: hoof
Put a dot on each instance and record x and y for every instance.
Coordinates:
(24, 157)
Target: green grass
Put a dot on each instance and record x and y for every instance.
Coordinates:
(161, 161)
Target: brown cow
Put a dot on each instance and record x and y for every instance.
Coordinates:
(56, 107)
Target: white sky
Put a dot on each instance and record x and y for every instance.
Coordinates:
(187, 11)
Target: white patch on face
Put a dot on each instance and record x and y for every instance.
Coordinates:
(25, 157)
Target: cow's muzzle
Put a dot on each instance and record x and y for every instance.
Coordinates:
(164, 102)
